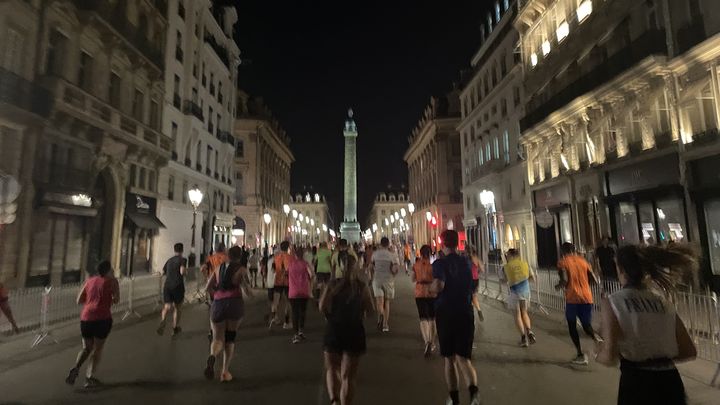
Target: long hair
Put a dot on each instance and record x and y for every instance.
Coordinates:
(351, 276)
(666, 266)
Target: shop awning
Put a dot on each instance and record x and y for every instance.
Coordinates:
(145, 221)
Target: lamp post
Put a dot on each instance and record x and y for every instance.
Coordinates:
(428, 217)
(411, 210)
(294, 215)
(266, 219)
(286, 210)
(196, 197)
(487, 199)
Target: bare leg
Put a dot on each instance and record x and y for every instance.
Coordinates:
(87, 348)
(333, 364)
(218, 342)
(525, 316)
(451, 374)
(386, 310)
(5, 308)
(380, 306)
(475, 302)
(424, 330)
(519, 318)
(96, 356)
(176, 315)
(163, 315)
(349, 373)
(229, 347)
(467, 370)
(275, 304)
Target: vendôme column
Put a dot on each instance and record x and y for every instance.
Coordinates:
(350, 228)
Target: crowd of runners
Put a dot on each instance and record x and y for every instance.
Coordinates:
(640, 330)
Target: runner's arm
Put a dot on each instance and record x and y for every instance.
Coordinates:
(686, 347)
(82, 295)
(115, 290)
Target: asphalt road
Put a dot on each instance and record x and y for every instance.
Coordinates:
(141, 368)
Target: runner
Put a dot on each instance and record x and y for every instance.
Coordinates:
(406, 256)
(477, 268)
(452, 282)
(173, 290)
(100, 291)
(254, 263)
(424, 298)
(518, 275)
(280, 294)
(337, 269)
(226, 286)
(299, 277)
(263, 271)
(270, 277)
(324, 268)
(383, 268)
(575, 273)
(5, 308)
(345, 304)
(642, 329)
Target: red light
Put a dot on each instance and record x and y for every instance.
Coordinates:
(433, 221)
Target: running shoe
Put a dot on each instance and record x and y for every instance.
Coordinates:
(270, 324)
(161, 328)
(92, 382)
(581, 360)
(531, 338)
(72, 376)
(287, 325)
(210, 368)
(301, 336)
(226, 376)
(428, 349)
(524, 341)
(176, 331)
(475, 400)
(481, 317)
(296, 339)
(386, 329)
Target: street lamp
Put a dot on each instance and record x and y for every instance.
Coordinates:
(196, 197)
(266, 219)
(324, 228)
(487, 199)
(397, 216)
(403, 212)
(286, 209)
(294, 214)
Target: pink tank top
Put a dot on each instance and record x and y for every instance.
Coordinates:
(475, 273)
(299, 279)
(98, 299)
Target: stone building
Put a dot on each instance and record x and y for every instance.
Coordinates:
(385, 216)
(497, 206)
(200, 79)
(316, 221)
(262, 173)
(435, 171)
(621, 122)
(88, 160)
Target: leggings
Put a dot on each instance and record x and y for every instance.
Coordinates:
(299, 309)
(584, 313)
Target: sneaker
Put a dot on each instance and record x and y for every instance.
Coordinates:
(531, 337)
(481, 317)
(210, 368)
(524, 341)
(72, 376)
(287, 325)
(226, 376)
(176, 331)
(296, 339)
(581, 360)
(301, 336)
(92, 382)
(428, 349)
(386, 329)
(475, 400)
(271, 323)
(161, 329)
(380, 323)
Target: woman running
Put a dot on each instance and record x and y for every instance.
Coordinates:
(424, 298)
(5, 308)
(100, 291)
(477, 268)
(641, 328)
(299, 276)
(226, 286)
(345, 304)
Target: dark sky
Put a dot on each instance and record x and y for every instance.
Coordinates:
(313, 60)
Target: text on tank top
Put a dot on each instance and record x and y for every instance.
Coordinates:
(647, 322)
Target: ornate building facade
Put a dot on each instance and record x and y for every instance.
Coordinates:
(316, 222)
(262, 174)
(621, 122)
(434, 166)
(385, 214)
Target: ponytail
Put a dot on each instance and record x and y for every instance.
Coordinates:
(667, 266)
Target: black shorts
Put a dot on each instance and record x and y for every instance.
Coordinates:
(639, 386)
(341, 339)
(282, 290)
(475, 285)
(227, 309)
(323, 277)
(456, 331)
(271, 293)
(96, 329)
(425, 307)
(253, 271)
(174, 295)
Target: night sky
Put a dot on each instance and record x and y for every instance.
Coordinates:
(313, 60)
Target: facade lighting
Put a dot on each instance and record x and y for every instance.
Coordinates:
(546, 47)
(562, 31)
(584, 10)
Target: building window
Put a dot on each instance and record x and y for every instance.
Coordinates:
(506, 146)
(137, 109)
(178, 47)
(198, 156)
(142, 177)
(114, 89)
(516, 96)
(14, 52)
(155, 115)
(239, 149)
(171, 188)
(185, 192)
(496, 147)
(84, 78)
(503, 107)
(152, 181)
(133, 175)
(219, 93)
(55, 53)
(480, 157)
(497, 12)
(176, 92)
(210, 122)
(181, 9)
(174, 131)
(488, 155)
(503, 65)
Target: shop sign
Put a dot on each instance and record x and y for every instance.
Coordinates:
(650, 174)
(140, 204)
(544, 219)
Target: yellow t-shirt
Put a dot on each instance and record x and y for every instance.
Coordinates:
(516, 271)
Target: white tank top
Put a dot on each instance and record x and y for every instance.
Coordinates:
(647, 322)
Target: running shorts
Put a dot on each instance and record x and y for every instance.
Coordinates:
(426, 308)
(384, 289)
(227, 309)
(456, 331)
(647, 386)
(96, 329)
(475, 285)
(323, 277)
(282, 290)
(173, 295)
(253, 270)
(579, 311)
(341, 339)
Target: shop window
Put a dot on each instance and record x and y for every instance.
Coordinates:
(671, 220)
(712, 219)
(627, 224)
(57, 248)
(565, 227)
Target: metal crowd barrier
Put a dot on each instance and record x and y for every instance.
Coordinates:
(40, 308)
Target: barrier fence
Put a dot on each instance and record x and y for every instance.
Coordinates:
(700, 312)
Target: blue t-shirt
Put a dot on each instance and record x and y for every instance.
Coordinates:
(456, 272)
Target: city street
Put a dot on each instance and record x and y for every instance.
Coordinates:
(140, 367)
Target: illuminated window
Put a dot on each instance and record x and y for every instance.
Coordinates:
(533, 59)
(562, 31)
(546, 47)
(497, 12)
(584, 10)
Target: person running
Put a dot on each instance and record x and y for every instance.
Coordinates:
(100, 291)
(226, 286)
(263, 271)
(299, 277)
(280, 294)
(424, 298)
(575, 275)
(345, 303)
(454, 319)
(5, 308)
(254, 264)
(173, 289)
(337, 269)
(518, 275)
(477, 268)
(642, 329)
(270, 278)
(383, 268)
(323, 267)
(605, 255)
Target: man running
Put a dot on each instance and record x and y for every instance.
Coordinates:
(518, 276)
(383, 268)
(575, 274)
(174, 289)
(337, 266)
(254, 263)
(452, 282)
(281, 262)
(323, 267)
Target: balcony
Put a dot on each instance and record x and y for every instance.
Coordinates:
(188, 163)
(61, 176)
(220, 50)
(191, 108)
(24, 94)
(488, 168)
(117, 19)
(225, 137)
(86, 107)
